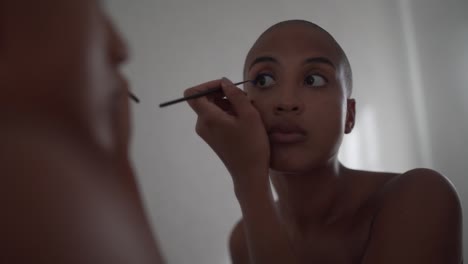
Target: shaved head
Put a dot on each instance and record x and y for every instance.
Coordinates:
(344, 62)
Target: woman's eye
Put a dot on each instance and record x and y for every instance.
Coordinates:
(315, 80)
(264, 80)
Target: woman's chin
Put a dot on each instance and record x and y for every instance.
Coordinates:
(296, 165)
(288, 166)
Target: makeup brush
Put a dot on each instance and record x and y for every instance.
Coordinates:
(133, 97)
(200, 94)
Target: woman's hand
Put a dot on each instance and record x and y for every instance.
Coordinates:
(233, 128)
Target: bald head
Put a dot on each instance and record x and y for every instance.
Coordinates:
(323, 37)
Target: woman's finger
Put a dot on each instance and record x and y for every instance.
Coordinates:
(237, 98)
(203, 105)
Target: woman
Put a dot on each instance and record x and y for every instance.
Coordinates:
(288, 127)
(68, 192)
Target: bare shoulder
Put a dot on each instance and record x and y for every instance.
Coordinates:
(419, 220)
(237, 244)
(424, 175)
(420, 185)
(67, 206)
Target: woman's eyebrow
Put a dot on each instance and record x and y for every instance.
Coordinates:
(312, 60)
(321, 60)
(263, 59)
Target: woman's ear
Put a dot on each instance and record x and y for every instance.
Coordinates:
(350, 115)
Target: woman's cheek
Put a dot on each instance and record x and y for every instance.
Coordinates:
(259, 103)
(121, 121)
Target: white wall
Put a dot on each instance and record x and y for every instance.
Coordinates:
(180, 43)
(441, 38)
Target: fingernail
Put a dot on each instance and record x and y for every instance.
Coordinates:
(226, 81)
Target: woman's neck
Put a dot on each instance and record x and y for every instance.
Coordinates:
(313, 197)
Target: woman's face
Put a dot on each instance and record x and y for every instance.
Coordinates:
(107, 89)
(300, 94)
(63, 59)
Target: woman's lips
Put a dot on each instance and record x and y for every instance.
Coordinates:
(286, 134)
(286, 138)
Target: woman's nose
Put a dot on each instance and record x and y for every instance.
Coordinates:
(118, 48)
(288, 107)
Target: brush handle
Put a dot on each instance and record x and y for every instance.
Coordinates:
(133, 97)
(193, 96)
(197, 95)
